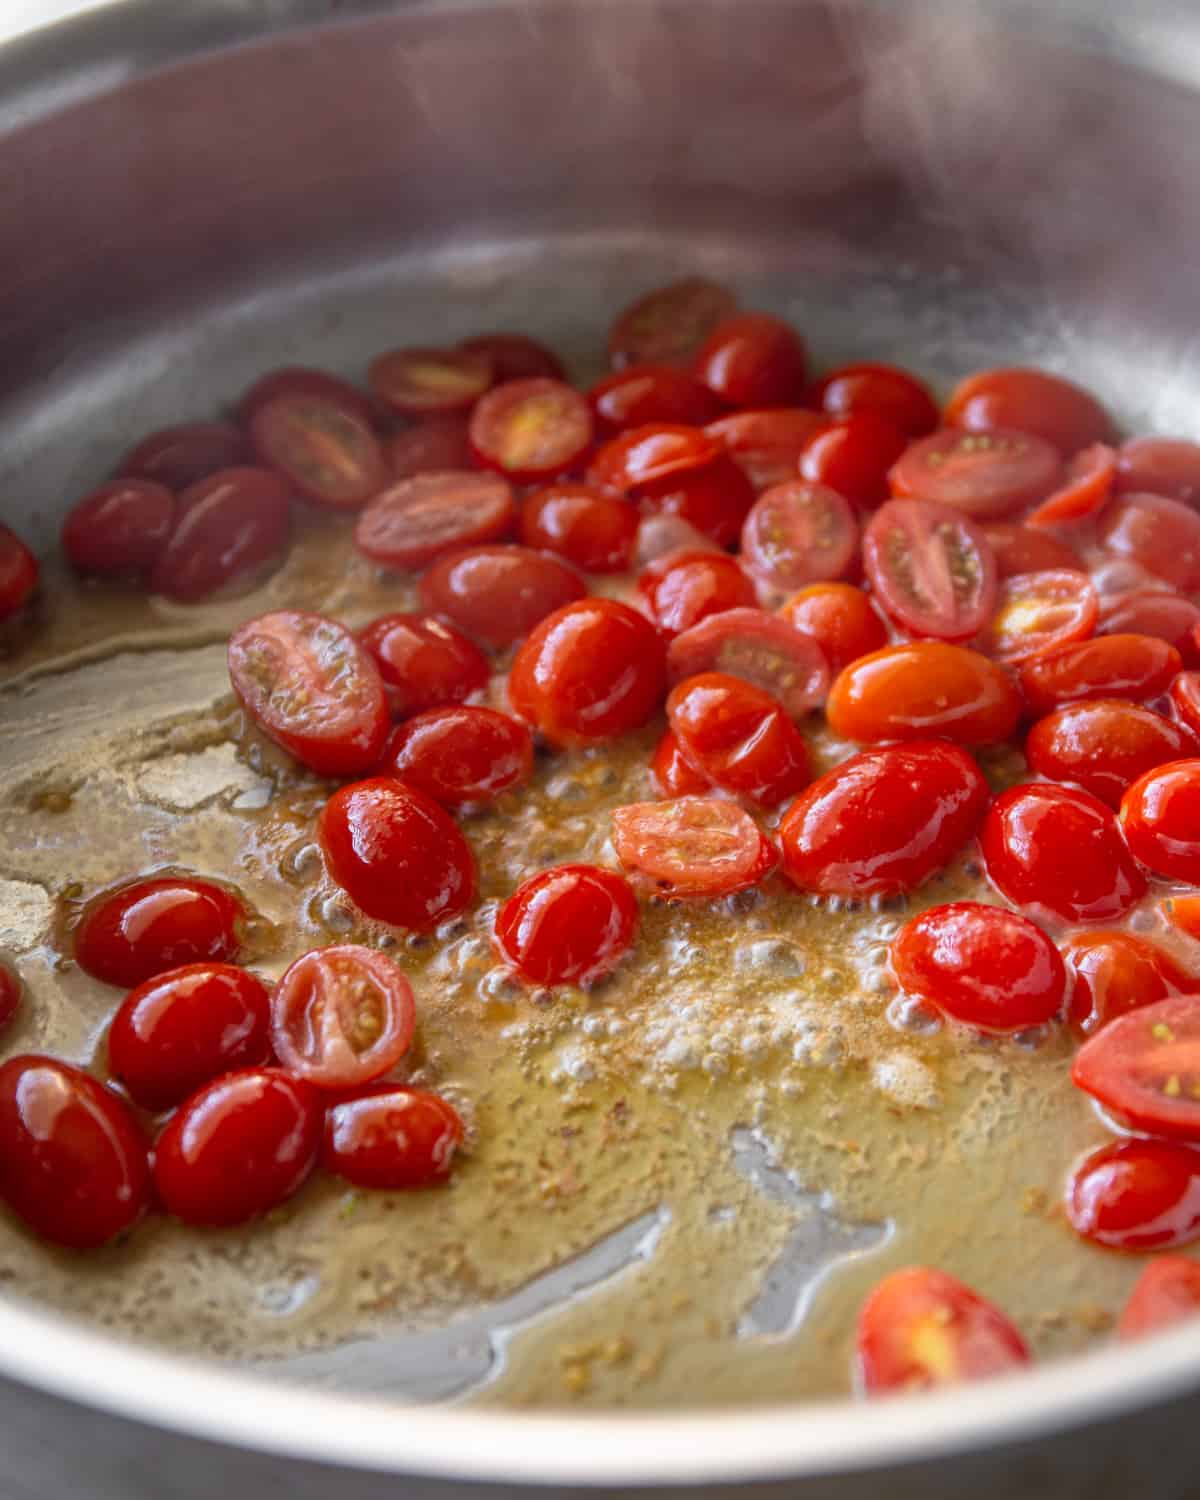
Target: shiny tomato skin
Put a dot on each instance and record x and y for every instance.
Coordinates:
(437, 446)
(1021, 549)
(1114, 972)
(645, 455)
(498, 594)
(1033, 401)
(1161, 536)
(1155, 612)
(569, 925)
(1059, 849)
(226, 526)
(883, 821)
(882, 389)
(854, 456)
(179, 457)
(73, 1162)
(397, 854)
(669, 324)
(130, 934)
(1165, 1294)
(460, 755)
(325, 450)
(921, 688)
(714, 498)
(1104, 745)
(119, 528)
(1137, 667)
(424, 662)
(430, 382)
(987, 475)
(739, 737)
(1137, 1195)
(931, 568)
(691, 848)
(766, 444)
(238, 1147)
(651, 393)
(1086, 486)
(1035, 612)
(798, 533)
(1183, 913)
(1160, 466)
(758, 647)
(182, 1028)
(1160, 817)
(531, 431)
(391, 1137)
(18, 573)
(1185, 699)
(300, 380)
(1144, 1068)
(684, 588)
(515, 356)
(11, 992)
(753, 359)
(674, 773)
(411, 522)
(593, 531)
(590, 671)
(841, 620)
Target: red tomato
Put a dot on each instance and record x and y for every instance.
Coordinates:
(182, 1028)
(498, 594)
(424, 663)
(226, 526)
(130, 934)
(1144, 1068)
(1019, 549)
(1029, 401)
(920, 1328)
(11, 991)
(691, 847)
(1088, 484)
(1056, 848)
(238, 1147)
(767, 444)
(1183, 912)
(425, 382)
(669, 324)
(73, 1162)
(839, 618)
(391, 1137)
(684, 588)
(1104, 744)
(986, 474)
(1037, 611)
(460, 755)
(923, 688)
(341, 1016)
(650, 393)
(643, 455)
(179, 457)
(531, 430)
(798, 533)
(1113, 973)
(415, 520)
(513, 356)
(890, 392)
(1137, 1195)
(298, 380)
(714, 499)
(753, 359)
(312, 688)
(397, 853)
(569, 925)
(1155, 612)
(658, 535)
(1162, 536)
(982, 965)
(588, 672)
(1166, 1293)
(759, 648)
(437, 446)
(739, 737)
(328, 451)
(854, 457)
(675, 774)
(1185, 699)
(932, 569)
(882, 822)
(1109, 666)
(1160, 466)
(18, 573)
(119, 528)
(592, 530)
(1160, 817)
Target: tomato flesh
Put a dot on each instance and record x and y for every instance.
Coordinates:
(119, 528)
(569, 925)
(391, 1137)
(591, 530)
(424, 382)
(179, 457)
(798, 533)
(1108, 666)
(854, 456)
(670, 323)
(674, 773)
(415, 520)
(1161, 536)
(439, 445)
(137, 931)
(767, 444)
(460, 755)
(1137, 1195)
(1165, 1294)
(1037, 611)
(1021, 549)
(923, 688)
(1160, 817)
(883, 389)
(1033, 401)
(651, 393)
(1144, 1067)
(1087, 485)
(1104, 744)
(839, 618)
(684, 588)
(1160, 466)
(753, 359)
(931, 568)
(498, 594)
(691, 847)
(759, 648)
(1115, 972)
(531, 430)
(424, 662)
(327, 450)
(987, 475)
(739, 737)
(226, 527)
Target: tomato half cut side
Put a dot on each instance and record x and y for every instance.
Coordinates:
(799, 533)
(415, 520)
(753, 359)
(426, 382)
(767, 443)
(531, 430)
(922, 688)
(498, 593)
(1085, 489)
(839, 618)
(739, 736)
(1037, 611)
(1161, 536)
(515, 356)
(1160, 818)
(692, 847)
(128, 935)
(1144, 1067)
(391, 1137)
(569, 925)
(759, 648)
(178, 457)
(1033, 401)
(651, 393)
(987, 475)
(119, 528)
(1115, 972)
(300, 380)
(227, 528)
(674, 773)
(590, 529)
(932, 569)
(1138, 667)
(1136, 1195)
(1160, 466)
(19, 574)
(424, 663)
(462, 755)
(669, 324)
(436, 446)
(1104, 745)
(684, 588)
(1020, 549)
(328, 451)
(1165, 1294)
(854, 456)
(883, 389)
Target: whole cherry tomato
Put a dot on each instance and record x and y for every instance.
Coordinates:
(651, 393)
(840, 618)
(674, 773)
(226, 526)
(692, 847)
(670, 323)
(1160, 817)
(684, 588)
(739, 737)
(767, 444)
(179, 457)
(883, 389)
(798, 533)
(425, 382)
(1166, 1293)
(130, 934)
(1114, 972)
(1137, 1195)
(931, 568)
(1160, 466)
(11, 991)
(1104, 744)
(18, 574)
(414, 520)
(854, 456)
(758, 647)
(715, 498)
(1142, 1068)
(1155, 612)
(753, 359)
(1031, 401)
(1038, 611)
(531, 430)
(499, 593)
(987, 475)
(1161, 536)
(569, 925)
(119, 528)
(424, 662)
(923, 688)
(325, 449)
(644, 455)
(593, 531)
(1108, 666)
(389, 1136)
(461, 754)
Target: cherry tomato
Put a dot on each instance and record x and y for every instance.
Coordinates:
(739, 737)
(397, 853)
(593, 531)
(182, 1028)
(883, 821)
(1115, 972)
(715, 499)
(675, 774)
(753, 359)
(1185, 699)
(226, 526)
(73, 1162)
(987, 475)
(923, 688)
(119, 528)
(178, 457)
(658, 535)
(531, 430)
(312, 688)
(1137, 1195)
(1183, 913)
(299, 380)
(1060, 849)
(1166, 1293)
(882, 389)
(588, 672)
(460, 755)
(424, 662)
(839, 618)
(391, 1137)
(1160, 466)
(1030, 401)
(1085, 489)
(341, 1016)
(692, 847)
(569, 925)
(1144, 1068)
(854, 456)
(1019, 549)
(1155, 612)
(1108, 666)
(11, 990)
(1104, 744)
(437, 446)
(513, 356)
(18, 573)
(920, 1329)
(415, 520)
(651, 393)
(328, 451)
(759, 648)
(798, 533)
(425, 382)
(1162, 536)
(932, 569)
(499, 593)
(643, 455)
(130, 934)
(1037, 611)
(238, 1147)
(767, 444)
(1160, 817)
(684, 588)
(669, 324)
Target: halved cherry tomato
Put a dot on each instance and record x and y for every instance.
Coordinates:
(119, 528)
(920, 1328)
(18, 573)
(182, 1028)
(389, 1136)
(1030, 401)
(891, 393)
(854, 456)
(238, 1147)
(1183, 913)
(1085, 489)
(531, 430)
(513, 356)
(932, 569)
(1162, 536)
(692, 847)
(438, 446)
(1160, 817)
(397, 853)
(588, 672)
(1108, 666)
(798, 533)
(669, 324)
(640, 394)
(460, 755)
(987, 475)
(130, 934)
(684, 588)
(759, 648)
(1157, 612)
(1037, 611)
(1144, 1068)
(179, 457)
(1185, 699)
(415, 520)
(424, 662)
(299, 380)
(1113, 973)
(312, 688)
(499, 593)
(327, 450)
(753, 359)
(923, 688)
(569, 925)
(226, 526)
(882, 822)
(11, 990)
(675, 774)
(1160, 466)
(657, 535)
(715, 499)
(73, 1163)
(643, 455)
(1104, 744)
(1136, 1195)
(739, 736)
(342, 1016)
(767, 444)
(1059, 849)
(839, 618)
(592, 530)
(1020, 549)
(1166, 1293)
(422, 382)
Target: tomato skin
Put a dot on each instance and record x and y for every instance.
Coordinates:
(1030, 401)
(854, 456)
(931, 568)
(1104, 744)
(883, 389)
(644, 393)
(714, 498)
(1155, 612)
(923, 688)
(460, 755)
(1137, 1195)
(514, 356)
(182, 1028)
(326, 450)
(1160, 466)
(1160, 817)
(413, 521)
(299, 380)
(1021, 549)
(644, 455)
(798, 533)
(1085, 489)
(883, 821)
(1037, 611)
(1162, 536)
(1060, 849)
(684, 588)
(424, 662)
(18, 573)
(591, 530)
(179, 457)
(11, 992)
(226, 525)
(238, 1147)
(397, 853)
(840, 618)
(426, 382)
(588, 672)
(531, 431)
(1142, 1067)
(766, 444)
(1183, 913)
(498, 594)
(73, 1163)
(1165, 1294)
(739, 737)
(760, 648)
(391, 1137)
(691, 848)
(987, 475)
(674, 773)
(438, 445)
(137, 931)
(569, 925)
(753, 359)
(1115, 972)
(669, 324)
(1108, 666)
(119, 528)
